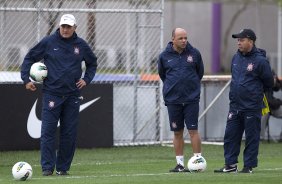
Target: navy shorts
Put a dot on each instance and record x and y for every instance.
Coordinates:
(183, 113)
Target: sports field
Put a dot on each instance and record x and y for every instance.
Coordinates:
(146, 164)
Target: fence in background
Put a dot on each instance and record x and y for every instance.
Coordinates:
(126, 36)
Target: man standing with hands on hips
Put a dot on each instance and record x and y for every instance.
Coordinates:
(63, 53)
(181, 69)
(251, 77)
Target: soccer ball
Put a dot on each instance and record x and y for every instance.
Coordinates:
(38, 72)
(197, 163)
(22, 171)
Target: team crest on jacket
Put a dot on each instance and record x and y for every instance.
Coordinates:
(230, 115)
(189, 59)
(51, 104)
(76, 50)
(250, 67)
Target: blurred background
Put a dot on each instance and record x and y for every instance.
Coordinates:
(128, 35)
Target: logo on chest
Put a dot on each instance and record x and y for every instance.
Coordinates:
(189, 59)
(51, 104)
(230, 115)
(250, 67)
(76, 50)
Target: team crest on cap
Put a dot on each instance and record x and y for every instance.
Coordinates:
(76, 50)
(250, 67)
(189, 59)
(51, 104)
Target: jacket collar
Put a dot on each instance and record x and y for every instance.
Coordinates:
(170, 48)
(57, 33)
(254, 51)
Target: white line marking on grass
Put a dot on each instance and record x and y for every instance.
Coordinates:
(90, 163)
(213, 143)
(100, 176)
(118, 175)
(93, 163)
(169, 143)
(271, 169)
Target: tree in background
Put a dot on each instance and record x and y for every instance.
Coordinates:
(91, 24)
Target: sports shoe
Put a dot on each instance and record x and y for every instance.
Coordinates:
(246, 170)
(47, 173)
(62, 173)
(178, 168)
(227, 169)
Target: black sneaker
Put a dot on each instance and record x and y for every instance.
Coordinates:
(178, 168)
(227, 169)
(246, 170)
(47, 173)
(62, 173)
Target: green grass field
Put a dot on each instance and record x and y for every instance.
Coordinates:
(145, 164)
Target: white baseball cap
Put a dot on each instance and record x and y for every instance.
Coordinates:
(68, 19)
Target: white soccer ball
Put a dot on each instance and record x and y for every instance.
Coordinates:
(38, 72)
(197, 163)
(22, 171)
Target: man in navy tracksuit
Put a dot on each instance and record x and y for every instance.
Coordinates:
(181, 69)
(251, 76)
(62, 53)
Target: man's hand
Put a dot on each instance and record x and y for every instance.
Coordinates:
(80, 84)
(30, 86)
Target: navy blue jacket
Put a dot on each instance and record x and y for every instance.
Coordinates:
(63, 58)
(181, 74)
(251, 76)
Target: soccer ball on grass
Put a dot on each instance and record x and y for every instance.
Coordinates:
(38, 72)
(22, 171)
(197, 163)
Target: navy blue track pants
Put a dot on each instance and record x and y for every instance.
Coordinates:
(237, 124)
(66, 110)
